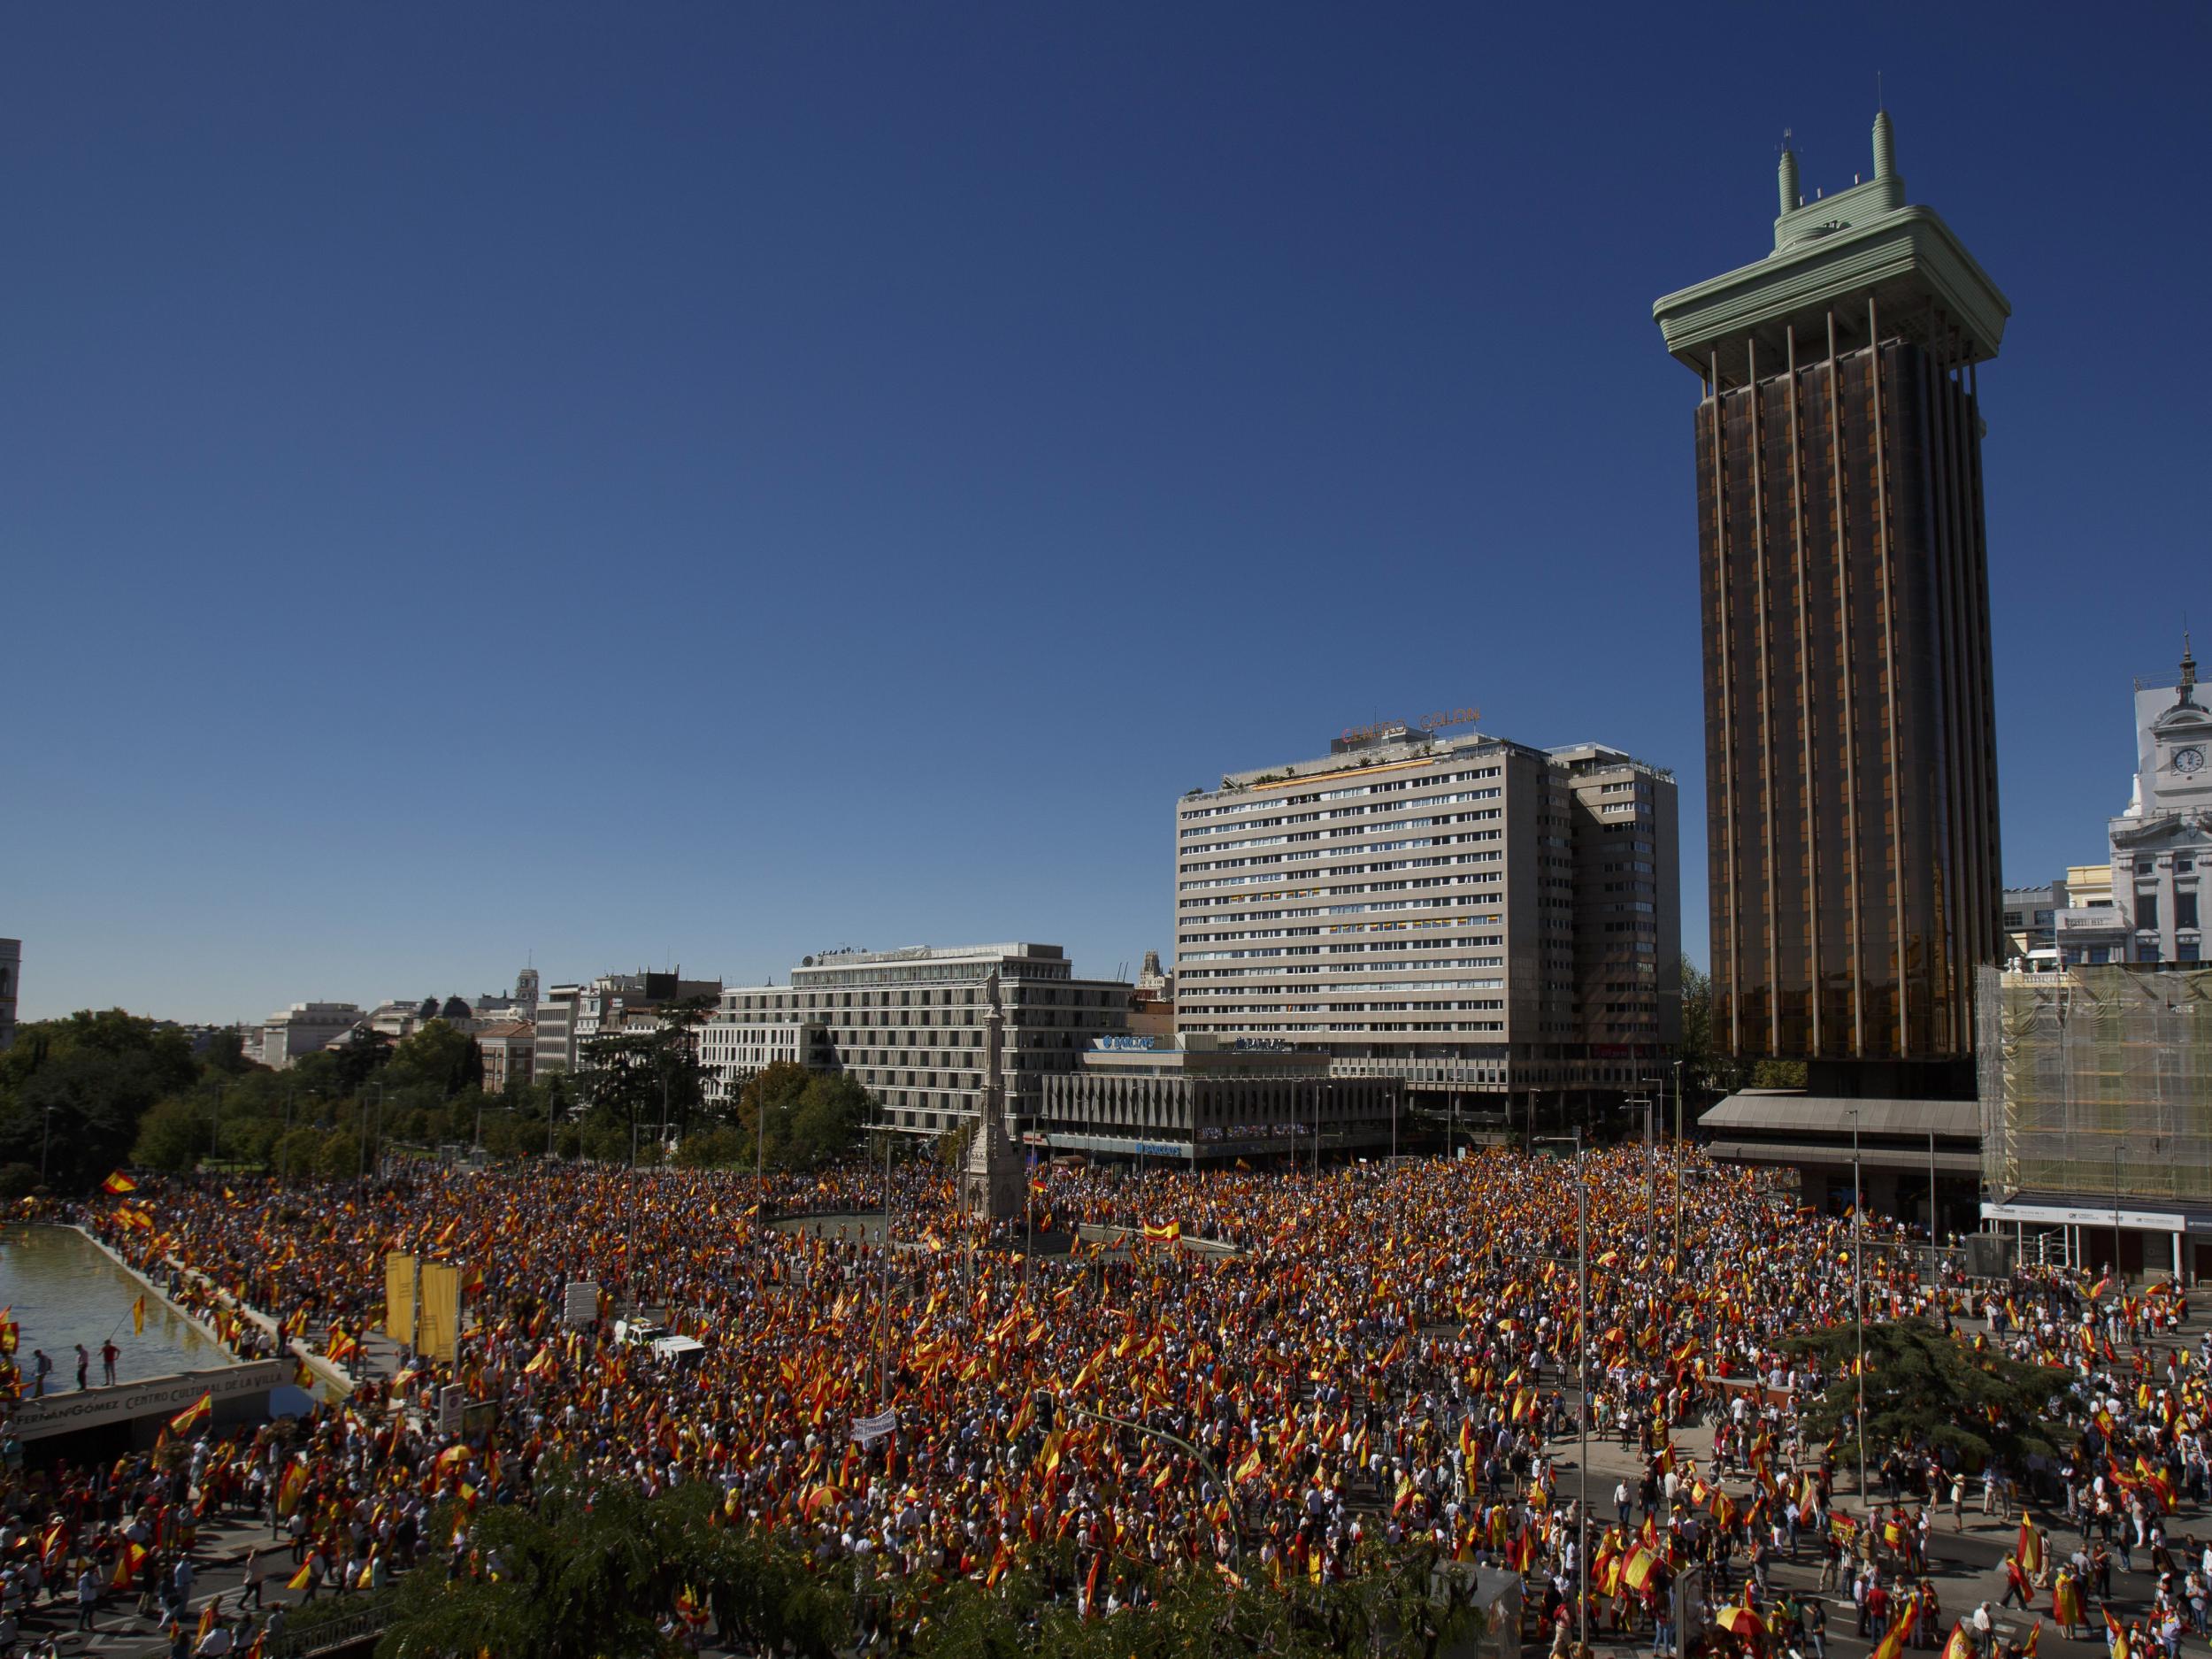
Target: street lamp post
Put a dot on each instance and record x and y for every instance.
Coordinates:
(1858, 1296)
(1678, 1158)
(361, 1122)
(1582, 1372)
(883, 1308)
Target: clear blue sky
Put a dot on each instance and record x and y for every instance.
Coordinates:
(702, 483)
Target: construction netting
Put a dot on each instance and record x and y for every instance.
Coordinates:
(2097, 1080)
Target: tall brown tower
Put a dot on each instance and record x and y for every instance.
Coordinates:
(1851, 768)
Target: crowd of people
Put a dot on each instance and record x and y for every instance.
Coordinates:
(1385, 1358)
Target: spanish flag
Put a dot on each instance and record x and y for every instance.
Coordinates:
(1892, 1643)
(193, 1414)
(1636, 1573)
(1739, 1620)
(2028, 1549)
(118, 1183)
(1165, 1235)
(138, 1315)
(127, 1565)
(301, 1579)
(1958, 1646)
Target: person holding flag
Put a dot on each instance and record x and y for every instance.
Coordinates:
(2066, 1609)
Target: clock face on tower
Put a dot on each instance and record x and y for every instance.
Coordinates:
(2189, 760)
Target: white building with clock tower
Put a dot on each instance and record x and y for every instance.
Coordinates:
(2162, 844)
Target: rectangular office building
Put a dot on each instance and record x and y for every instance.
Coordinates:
(1466, 914)
(908, 1026)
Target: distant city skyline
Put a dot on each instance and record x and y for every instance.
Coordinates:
(487, 488)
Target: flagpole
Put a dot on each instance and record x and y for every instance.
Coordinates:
(883, 1307)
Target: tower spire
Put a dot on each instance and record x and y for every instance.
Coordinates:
(2188, 668)
(1785, 174)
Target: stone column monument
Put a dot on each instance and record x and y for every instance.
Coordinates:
(991, 1182)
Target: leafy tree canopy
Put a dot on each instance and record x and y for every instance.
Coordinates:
(436, 1055)
(1924, 1389)
(812, 1117)
(72, 1091)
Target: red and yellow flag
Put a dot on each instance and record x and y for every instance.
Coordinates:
(118, 1183)
(193, 1414)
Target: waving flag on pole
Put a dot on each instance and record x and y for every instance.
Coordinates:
(193, 1414)
(118, 1183)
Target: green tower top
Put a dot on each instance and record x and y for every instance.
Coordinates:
(1831, 255)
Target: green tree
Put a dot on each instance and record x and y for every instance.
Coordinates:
(1707, 1071)
(73, 1091)
(437, 1057)
(172, 1135)
(298, 1153)
(225, 1055)
(715, 1148)
(812, 1119)
(340, 1155)
(1925, 1389)
(646, 1079)
(348, 1068)
(584, 1575)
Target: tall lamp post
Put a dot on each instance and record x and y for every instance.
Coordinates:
(361, 1121)
(1678, 1158)
(1582, 1373)
(1858, 1296)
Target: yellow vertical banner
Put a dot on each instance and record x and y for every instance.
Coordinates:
(440, 1324)
(399, 1298)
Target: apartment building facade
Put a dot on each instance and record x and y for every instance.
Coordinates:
(908, 1026)
(1466, 914)
(304, 1028)
(568, 1017)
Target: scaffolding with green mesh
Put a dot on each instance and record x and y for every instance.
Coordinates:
(2096, 1081)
